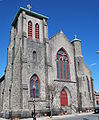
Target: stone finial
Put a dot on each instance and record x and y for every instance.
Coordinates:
(29, 7)
(61, 31)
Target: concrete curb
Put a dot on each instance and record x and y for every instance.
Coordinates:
(71, 115)
(63, 116)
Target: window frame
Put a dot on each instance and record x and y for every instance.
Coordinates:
(88, 85)
(34, 81)
(30, 30)
(63, 69)
(37, 32)
(35, 60)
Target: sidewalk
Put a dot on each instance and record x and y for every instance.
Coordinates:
(59, 116)
(70, 115)
(54, 117)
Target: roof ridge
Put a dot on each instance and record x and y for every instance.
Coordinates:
(33, 12)
(28, 12)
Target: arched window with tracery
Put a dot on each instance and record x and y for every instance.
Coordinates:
(64, 98)
(30, 30)
(34, 56)
(63, 68)
(34, 87)
(37, 32)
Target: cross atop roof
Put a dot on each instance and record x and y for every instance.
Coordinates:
(75, 36)
(29, 7)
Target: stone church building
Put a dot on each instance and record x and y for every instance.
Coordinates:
(50, 70)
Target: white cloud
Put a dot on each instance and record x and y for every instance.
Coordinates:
(93, 64)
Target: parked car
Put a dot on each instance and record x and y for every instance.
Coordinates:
(96, 110)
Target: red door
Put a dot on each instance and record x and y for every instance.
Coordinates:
(64, 99)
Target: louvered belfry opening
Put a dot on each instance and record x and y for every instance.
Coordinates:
(30, 30)
(37, 34)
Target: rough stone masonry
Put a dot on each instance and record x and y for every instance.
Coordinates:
(35, 63)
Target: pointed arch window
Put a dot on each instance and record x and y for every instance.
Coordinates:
(34, 56)
(37, 32)
(63, 68)
(30, 30)
(88, 87)
(64, 98)
(34, 82)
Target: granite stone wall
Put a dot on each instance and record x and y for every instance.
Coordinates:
(57, 42)
(15, 97)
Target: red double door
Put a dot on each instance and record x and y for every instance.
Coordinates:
(64, 98)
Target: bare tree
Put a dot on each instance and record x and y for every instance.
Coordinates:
(53, 90)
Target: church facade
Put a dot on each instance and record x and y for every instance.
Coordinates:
(51, 71)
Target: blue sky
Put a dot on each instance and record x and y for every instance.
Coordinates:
(79, 17)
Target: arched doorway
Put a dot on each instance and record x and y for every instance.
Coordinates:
(64, 98)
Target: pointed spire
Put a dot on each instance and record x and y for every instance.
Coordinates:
(61, 31)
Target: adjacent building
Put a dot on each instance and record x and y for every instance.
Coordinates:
(96, 99)
(51, 70)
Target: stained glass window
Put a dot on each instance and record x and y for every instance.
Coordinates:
(88, 87)
(34, 82)
(37, 88)
(31, 88)
(63, 70)
(34, 56)
(57, 69)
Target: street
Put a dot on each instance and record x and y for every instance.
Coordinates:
(84, 116)
(81, 117)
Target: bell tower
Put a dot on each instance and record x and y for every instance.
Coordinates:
(78, 68)
(27, 53)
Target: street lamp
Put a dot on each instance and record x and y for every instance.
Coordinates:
(97, 52)
(33, 113)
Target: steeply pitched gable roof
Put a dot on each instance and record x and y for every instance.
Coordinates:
(60, 32)
(34, 14)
